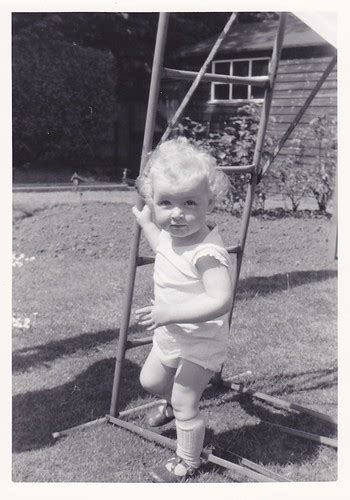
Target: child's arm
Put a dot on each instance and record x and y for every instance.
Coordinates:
(144, 219)
(214, 302)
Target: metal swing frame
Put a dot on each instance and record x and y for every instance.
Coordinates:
(256, 171)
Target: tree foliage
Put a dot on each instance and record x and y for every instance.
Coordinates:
(63, 96)
(70, 68)
(129, 36)
(255, 17)
(232, 145)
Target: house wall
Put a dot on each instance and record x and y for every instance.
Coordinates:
(295, 81)
(298, 73)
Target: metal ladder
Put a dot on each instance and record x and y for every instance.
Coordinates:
(246, 467)
(267, 82)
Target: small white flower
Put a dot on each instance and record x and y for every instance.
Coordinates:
(17, 260)
(21, 323)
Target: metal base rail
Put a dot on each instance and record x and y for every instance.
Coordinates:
(276, 402)
(207, 456)
(279, 403)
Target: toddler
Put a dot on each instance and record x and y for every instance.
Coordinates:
(192, 293)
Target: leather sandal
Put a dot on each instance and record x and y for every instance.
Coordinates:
(162, 474)
(158, 417)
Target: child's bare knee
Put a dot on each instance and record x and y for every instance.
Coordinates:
(184, 409)
(145, 381)
(150, 384)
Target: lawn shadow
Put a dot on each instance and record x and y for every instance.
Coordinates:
(29, 357)
(37, 414)
(264, 285)
(262, 441)
(311, 380)
(279, 385)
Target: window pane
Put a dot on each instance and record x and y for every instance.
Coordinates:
(221, 91)
(240, 68)
(240, 92)
(257, 93)
(260, 67)
(222, 68)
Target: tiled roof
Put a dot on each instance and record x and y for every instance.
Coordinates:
(259, 36)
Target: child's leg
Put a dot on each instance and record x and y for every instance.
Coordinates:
(189, 384)
(157, 378)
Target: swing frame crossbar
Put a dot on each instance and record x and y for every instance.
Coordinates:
(247, 468)
(178, 74)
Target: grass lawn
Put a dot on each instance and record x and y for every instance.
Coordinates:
(284, 332)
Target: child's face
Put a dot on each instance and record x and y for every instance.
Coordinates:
(181, 207)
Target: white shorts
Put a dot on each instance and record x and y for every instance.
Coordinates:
(170, 348)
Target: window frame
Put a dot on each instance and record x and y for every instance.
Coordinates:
(231, 61)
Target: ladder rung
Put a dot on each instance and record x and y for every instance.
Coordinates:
(142, 261)
(234, 249)
(138, 342)
(179, 74)
(148, 259)
(238, 169)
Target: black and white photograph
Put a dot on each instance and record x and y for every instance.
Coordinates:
(174, 211)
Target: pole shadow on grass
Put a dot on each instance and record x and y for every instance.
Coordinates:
(30, 357)
(264, 285)
(37, 414)
(302, 382)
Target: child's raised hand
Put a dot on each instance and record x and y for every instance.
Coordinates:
(153, 316)
(143, 216)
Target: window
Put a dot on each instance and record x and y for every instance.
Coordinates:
(238, 67)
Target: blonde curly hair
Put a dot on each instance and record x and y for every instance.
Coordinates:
(178, 159)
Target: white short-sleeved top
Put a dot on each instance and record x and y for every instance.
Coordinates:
(176, 280)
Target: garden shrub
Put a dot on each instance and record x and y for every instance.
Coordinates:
(232, 145)
(63, 99)
(322, 173)
(291, 177)
(295, 179)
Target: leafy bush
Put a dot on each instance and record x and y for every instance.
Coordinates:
(296, 180)
(232, 145)
(322, 174)
(63, 98)
(291, 177)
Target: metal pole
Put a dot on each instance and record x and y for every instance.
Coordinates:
(276, 54)
(147, 146)
(199, 77)
(307, 435)
(278, 402)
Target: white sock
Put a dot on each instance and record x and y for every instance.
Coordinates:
(190, 439)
